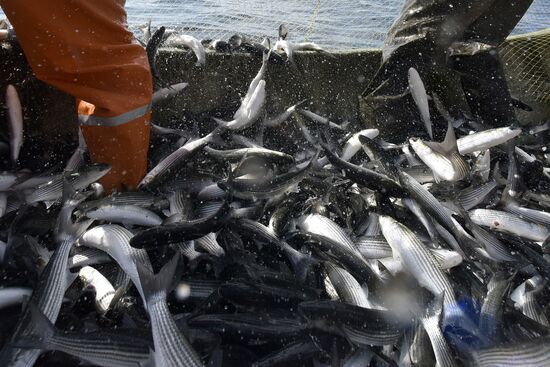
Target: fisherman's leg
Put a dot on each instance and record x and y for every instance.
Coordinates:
(84, 48)
(478, 60)
(420, 38)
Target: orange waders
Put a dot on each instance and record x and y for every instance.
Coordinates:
(84, 48)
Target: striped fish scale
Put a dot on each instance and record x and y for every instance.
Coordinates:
(324, 227)
(115, 241)
(346, 286)
(508, 223)
(210, 245)
(417, 259)
(428, 201)
(48, 296)
(537, 216)
(532, 309)
(373, 247)
(491, 310)
(171, 347)
(475, 195)
(443, 354)
(102, 349)
(296, 243)
(371, 337)
(535, 353)
(173, 160)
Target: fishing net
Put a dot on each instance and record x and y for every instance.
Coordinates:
(527, 60)
(333, 24)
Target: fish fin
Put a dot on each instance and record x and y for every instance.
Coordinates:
(42, 331)
(382, 273)
(49, 203)
(150, 361)
(215, 137)
(449, 144)
(65, 227)
(69, 195)
(156, 286)
(267, 54)
(223, 124)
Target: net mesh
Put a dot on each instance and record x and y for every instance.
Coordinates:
(527, 59)
(333, 24)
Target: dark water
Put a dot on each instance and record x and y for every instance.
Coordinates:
(335, 24)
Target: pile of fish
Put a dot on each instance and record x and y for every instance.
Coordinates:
(349, 251)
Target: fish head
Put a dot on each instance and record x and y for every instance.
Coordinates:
(283, 32)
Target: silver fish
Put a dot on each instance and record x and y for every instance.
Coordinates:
(490, 316)
(252, 104)
(104, 291)
(192, 43)
(442, 158)
(347, 287)
(418, 92)
(100, 348)
(525, 298)
(432, 324)
(176, 158)
(126, 214)
(87, 256)
(282, 117)
(533, 353)
(115, 241)
(210, 244)
(165, 93)
(509, 223)
(475, 195)
(48, 293)
(417, 259)
(171, 347)
(485, 139)
(15, 120)
(53, 189)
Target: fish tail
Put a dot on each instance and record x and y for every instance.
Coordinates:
(65, 227)
(156, 286)
(221, 123)
(266, 55)
(215, 135)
